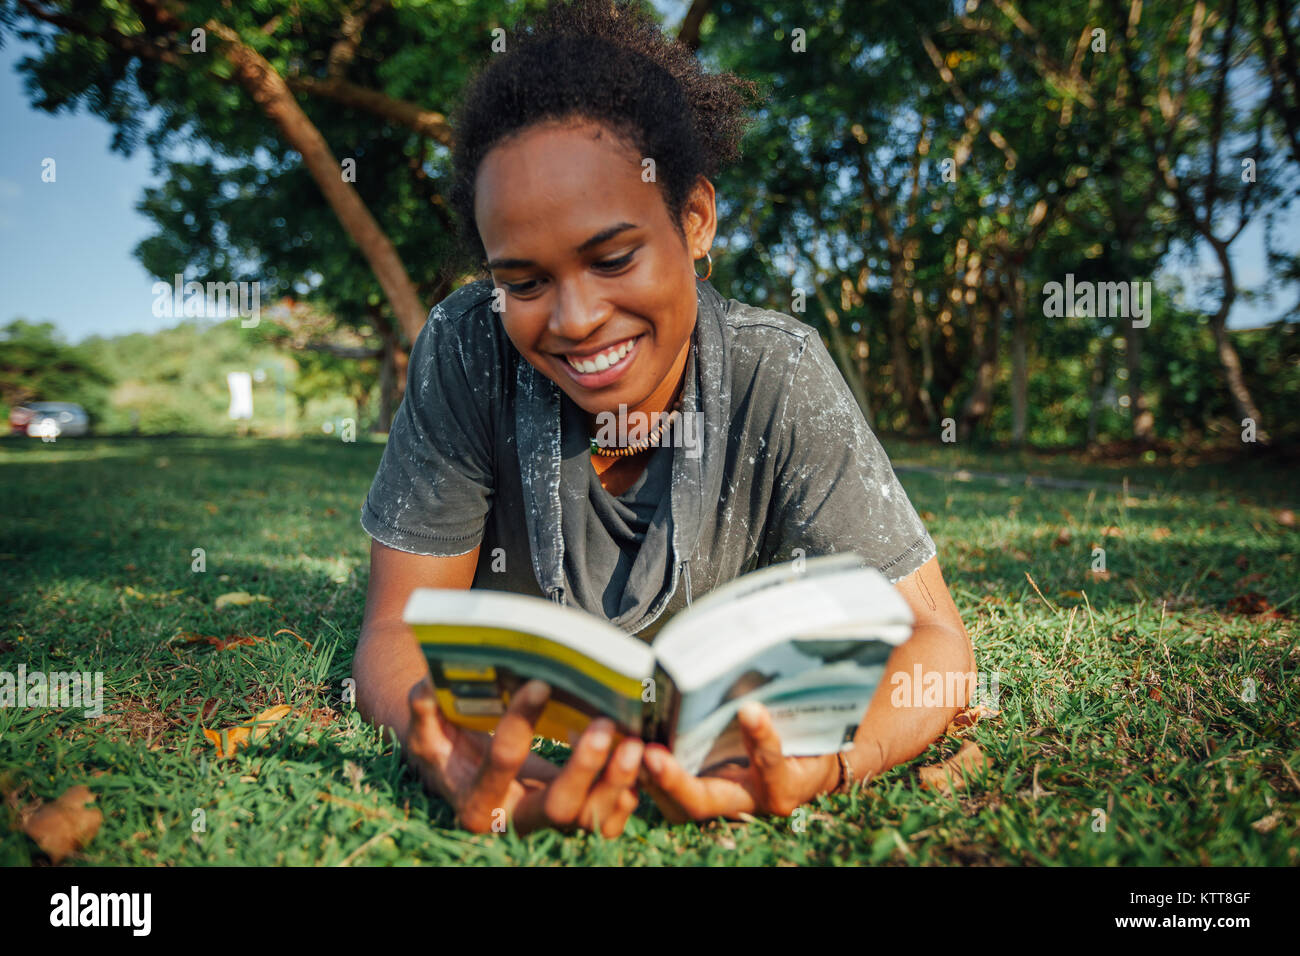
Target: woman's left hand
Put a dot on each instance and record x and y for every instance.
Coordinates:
(771, 784)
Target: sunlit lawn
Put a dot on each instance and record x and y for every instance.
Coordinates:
(1128, 733)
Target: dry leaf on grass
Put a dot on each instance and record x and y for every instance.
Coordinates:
(970, 717)
(1268, 823)
(970, 760)
(285, 630)
(239, 599)
(220, 643)
(65, 825)
(244, 734)
(1253, 604)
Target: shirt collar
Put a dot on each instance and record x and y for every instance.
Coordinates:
(695, 479)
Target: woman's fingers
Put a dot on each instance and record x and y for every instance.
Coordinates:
(510, 747)
(425, 736)
(567, 794)
(772, 774)
(700, 798)
(670, 808)
(579, 796)
(612, 800)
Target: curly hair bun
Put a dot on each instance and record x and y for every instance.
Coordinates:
(609, 62)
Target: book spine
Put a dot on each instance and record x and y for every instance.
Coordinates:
(661, 719)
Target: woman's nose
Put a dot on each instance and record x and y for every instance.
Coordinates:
(579, 312)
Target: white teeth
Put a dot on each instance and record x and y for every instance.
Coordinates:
(603, 361)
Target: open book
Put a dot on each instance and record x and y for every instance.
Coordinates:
(807, 639)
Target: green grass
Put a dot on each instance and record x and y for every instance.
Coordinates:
(1121, 695)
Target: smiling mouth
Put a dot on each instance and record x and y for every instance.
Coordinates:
(603, 360)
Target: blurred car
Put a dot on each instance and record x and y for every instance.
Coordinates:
(49, 420)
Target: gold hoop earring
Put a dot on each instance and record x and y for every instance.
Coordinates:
(710, 269)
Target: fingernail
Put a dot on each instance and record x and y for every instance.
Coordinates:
(535, 692)
(599, 739)
(654, 759)
(750, 713)
(629, 758)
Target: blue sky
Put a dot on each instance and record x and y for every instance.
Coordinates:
(65, 247)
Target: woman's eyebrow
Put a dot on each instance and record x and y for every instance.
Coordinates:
(603, 236)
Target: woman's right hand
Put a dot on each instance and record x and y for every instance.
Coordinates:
(488, 778)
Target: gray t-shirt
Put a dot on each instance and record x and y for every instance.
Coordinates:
(485, 450)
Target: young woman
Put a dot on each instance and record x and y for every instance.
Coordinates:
(583, 166)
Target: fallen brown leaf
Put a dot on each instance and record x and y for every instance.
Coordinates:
(970, 717)
(220, 643)
(244, 734)
(239, 599)
(1286, 517)
(66, 825)
(967, 761)
(1267, 824)
(285, 630)
(1252, 604)
(1063, 537)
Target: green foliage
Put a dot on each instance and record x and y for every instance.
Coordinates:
(35, 365)
(174, 381)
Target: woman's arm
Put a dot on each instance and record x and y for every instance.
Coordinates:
(887, 735)
(891, 734)
(388, 663)
(482, 776)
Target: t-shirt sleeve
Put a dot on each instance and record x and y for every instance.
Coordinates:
(835, 489)
(433, 490)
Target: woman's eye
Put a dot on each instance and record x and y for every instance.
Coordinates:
(610, 265)
(604, 265)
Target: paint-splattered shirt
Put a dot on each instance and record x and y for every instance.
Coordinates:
(486, 450)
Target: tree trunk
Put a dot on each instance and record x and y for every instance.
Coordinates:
(904, 382)
(924, 330)
(985, 347)
(1143, 421)
(1019, 363)
(268, 89)
(1228, 358)
(1097, 386)
(840, 349)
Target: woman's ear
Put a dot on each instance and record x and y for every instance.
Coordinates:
(700, 218)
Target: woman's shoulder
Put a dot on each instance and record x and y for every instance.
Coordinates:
(464, 326)
(766, 346)
(461, 347)
(759, 327)
(469, 304)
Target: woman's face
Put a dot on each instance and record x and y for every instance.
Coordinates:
(588, 260)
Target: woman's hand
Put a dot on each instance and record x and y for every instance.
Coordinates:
(772, 783)
(488, 778)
